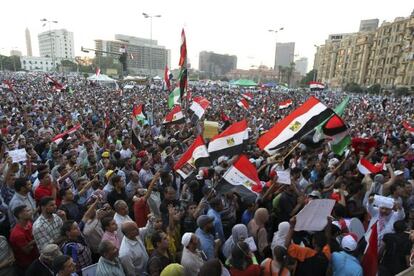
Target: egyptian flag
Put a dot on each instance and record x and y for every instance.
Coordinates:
(248, 96)
(230, 142)
(370, 258)
(408, 127)
(241, 177)
(138, 113)
(9, 85)
(315, 85)
(183, 82)
(183, 50)
(243, 103)
(365, 167)
(363, 144)
(225, 119)
(285, 104)
(337, 131)
(195, 157)
(62, 136)
(54, 83)
(167, 78)
(176, 116)
(199, 106)
(294, 126)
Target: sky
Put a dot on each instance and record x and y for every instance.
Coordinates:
(226, 27)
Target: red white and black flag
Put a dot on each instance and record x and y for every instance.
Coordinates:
(294, 126)
(248, 96)
(195, 157)
(176, 116)
(285, 104)
(230, 142)
(243, 103)
(241, 176)
(183, 50)
(167, 79)
(199, 106)
(62, 136)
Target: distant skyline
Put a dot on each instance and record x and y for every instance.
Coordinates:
(226, 27)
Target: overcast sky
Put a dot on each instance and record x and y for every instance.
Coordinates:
(227, 27)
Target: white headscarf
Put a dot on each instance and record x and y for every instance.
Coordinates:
(279, 237)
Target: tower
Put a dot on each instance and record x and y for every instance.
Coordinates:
(28, 43)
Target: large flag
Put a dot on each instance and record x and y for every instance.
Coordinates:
(196, 156)
(230, 142)
(176, 116)
(285, 104)
(370, 258)
(138, 113)
(241, 176)
(174, 97)
(297, 124)
(62, 136)
(183, 50)
(243, 103)
(199, 106)
(365, 167)
(167, 78)
(336, 129)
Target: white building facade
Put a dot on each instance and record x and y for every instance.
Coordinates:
(57, 44)
(43, 64)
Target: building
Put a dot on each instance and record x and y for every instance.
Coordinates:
(145, 56)
(57, 44)
(368, 25)
(214, 65)
(16, 53)
(28, 43)
(285, 52)
(301, 66)
(43, 64)
(261, 74)
(383, 55)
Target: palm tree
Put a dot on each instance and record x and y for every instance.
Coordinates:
(290, 71)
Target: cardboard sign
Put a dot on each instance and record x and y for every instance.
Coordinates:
(18, 155)
(382, 201)
(283, 177)
(314, 216)
(211, 129)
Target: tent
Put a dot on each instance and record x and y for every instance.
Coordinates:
(243, 82)
(270, 84)
(101, 78)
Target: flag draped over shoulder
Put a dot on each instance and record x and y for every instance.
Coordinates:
(196, 156)
(230, 142)
(294, 126)
(241, 176)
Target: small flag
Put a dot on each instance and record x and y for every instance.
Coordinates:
(138, 113)
(285, 104)
(199, 106)
(196, 156)
(167, 78)
(248, 96)
(62, 136)
(176, 116)
(365, 167)
(183, 50)
(243, 103)
(336, 129)
(230, 142)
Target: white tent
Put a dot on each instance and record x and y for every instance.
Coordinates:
(157, 78)
(101, 78)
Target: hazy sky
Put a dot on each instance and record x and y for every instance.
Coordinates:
(227, 27)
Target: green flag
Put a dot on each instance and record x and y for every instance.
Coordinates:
(339, 109)
(174, 97)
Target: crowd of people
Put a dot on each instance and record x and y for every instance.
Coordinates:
(97, 200)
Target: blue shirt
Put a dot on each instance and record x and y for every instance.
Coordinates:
(206, 243)
(246, 217)
(344, 264)
(218, 226)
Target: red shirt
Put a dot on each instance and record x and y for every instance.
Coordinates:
(19, 238)
(42, 191)
(141, 212)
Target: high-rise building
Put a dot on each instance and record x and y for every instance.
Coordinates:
(285, 52)
(384, 56)
(28, 43)
(145, 56)
(57, 44)
(301, 65)
(16, 53)
(215, 65)
(368, 25)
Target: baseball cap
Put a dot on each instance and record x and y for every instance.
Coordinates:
(349, 242)
(398, 172)
(203, 220)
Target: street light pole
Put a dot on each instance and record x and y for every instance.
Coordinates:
(275, 31)
(52, 41)
(146, 15)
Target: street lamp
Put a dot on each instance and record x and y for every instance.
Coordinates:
(275, 31)
(52, 43)
(314, 69)
(146, 15)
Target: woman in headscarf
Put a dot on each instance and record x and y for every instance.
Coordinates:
(279, 236)
(238, 233)
(257, 229)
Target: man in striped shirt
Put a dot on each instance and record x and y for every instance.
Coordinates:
(109, 263)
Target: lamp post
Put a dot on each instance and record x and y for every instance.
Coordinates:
(275, 31)
(314, 69)
(146, 15)
(52, 42)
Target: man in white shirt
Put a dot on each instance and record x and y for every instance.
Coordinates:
(132, 252)
(121, 215)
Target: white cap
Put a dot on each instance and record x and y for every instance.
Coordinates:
(333, 162)
(222, 158)
(349, 242)
(185, 240)
(398, 172)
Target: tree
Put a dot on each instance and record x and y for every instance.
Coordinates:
(289, 72)
(310, 76)
(353, 87)
(11, 63)
(374, 89)
(402, 91)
